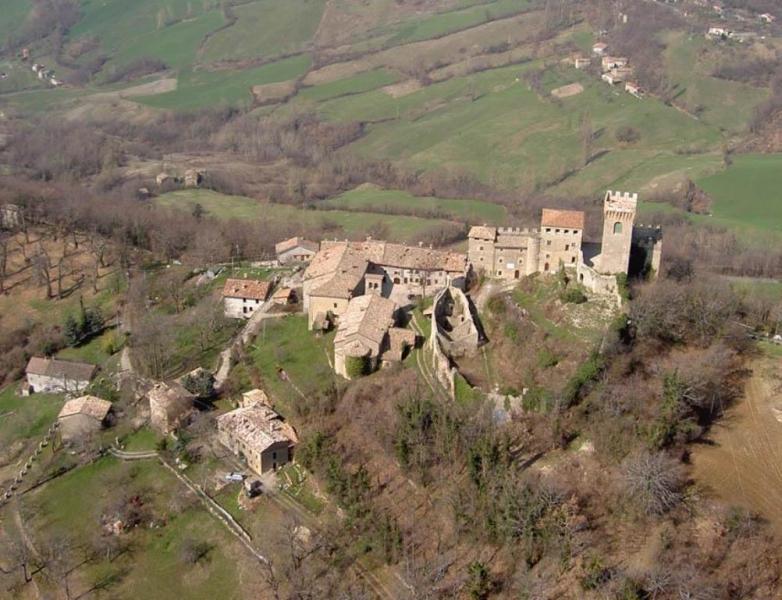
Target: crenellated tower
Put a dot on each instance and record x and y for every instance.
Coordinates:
(619, 210)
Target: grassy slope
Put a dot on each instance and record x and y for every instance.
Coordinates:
(372, 199)
(199, 89)
(266, 28)
(26, 417)
(748, 193)
(238, 207)
(14, 13)
(363, 82)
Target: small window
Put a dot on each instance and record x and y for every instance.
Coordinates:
(567, 247)
(335, 305)
(481, 248)
(548, 242)
(499, 272)
(572, 259)
(557, 231)
(617, 227)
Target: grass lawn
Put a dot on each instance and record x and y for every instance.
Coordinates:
(26, 417)
(14, 14)
(141, 440)
(71, 505)
(202, 88)
(92, 351)
(265, 28)
(370, 198)
(402, 228)
(748, 193)
(287, 344)
(295, 482)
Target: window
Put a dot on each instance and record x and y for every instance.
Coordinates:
(548, 229)
(499, 272)
(244, 309)
(567, 247)
(617, 227)
(548, 242)
(481, 248)
(572, 259)
(396, 279)
(557, 231)
(335, 305)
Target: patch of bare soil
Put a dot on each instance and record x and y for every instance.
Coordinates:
(403, 88)
(743, 463)
(115, 104)
(273, 93)
(572, 89)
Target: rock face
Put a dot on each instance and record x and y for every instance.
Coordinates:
(456, 323)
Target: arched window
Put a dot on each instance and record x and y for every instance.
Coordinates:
(617, 227)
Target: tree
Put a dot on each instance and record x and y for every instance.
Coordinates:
(653, 481)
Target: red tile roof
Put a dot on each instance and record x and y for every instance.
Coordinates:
(246, 288)
(569, 219)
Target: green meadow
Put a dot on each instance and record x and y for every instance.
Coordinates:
(350, 223)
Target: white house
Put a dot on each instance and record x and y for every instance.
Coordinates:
(55, 376)
(241, 297)
(599, 48)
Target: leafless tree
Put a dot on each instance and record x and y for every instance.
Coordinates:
(653, 480)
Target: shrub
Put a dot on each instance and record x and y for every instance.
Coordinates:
(356, 366)
(573, 295)
(627, 134)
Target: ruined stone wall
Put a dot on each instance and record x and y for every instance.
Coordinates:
(454, 323)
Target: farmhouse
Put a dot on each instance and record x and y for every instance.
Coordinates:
(55, 376)
(241, 297)
(170, 405)
(257, 434)
(367, 335)
(718, 33)
(511, 253)
(767, 18)
(618, 75)
(634, 89)
(343, 270)
(295, 250)
(10, 216)
(82, 416)
(599, 48)
(613, 62)
(285, 296)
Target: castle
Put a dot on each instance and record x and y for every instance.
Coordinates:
(512, 253)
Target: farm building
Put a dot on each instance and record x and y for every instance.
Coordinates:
(55, 376)
(367, 335)
(581, 62)
(617, 76)
(634, 89)
(170, 405)
(257, 434)
(295, 250)
(613, 62)
(82, 416)
(10, 216)
(242, 296)
(285, 296)
(599, 48)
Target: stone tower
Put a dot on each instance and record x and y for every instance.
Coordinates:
(618, 218)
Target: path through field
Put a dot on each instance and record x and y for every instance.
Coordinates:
(744, 466)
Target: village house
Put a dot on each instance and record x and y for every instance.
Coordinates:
(718, 33)
(634, 89)
(617, 76)
(613, 62)
(170, 405)
(599, 48)
(10, 216)
(367, 336)
(767, 18)
(257, 434)
(581, 62)
(295, 250)
(343, 270)
(241, 297)
(55, 376)
(83, 416)
(193, 178)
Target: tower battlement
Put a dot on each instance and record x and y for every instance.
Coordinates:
(621, 201)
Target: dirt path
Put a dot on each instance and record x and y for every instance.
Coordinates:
(744, 465)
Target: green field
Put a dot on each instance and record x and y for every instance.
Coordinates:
(363, 82)
(265, 28)
(26, 417)
(370, 198)
(402, 228)
(748, 193)
(199, 89)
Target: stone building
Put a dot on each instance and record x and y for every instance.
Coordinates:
(367, 336)
(512, 253)
(82, 416)
(295, 250)
(170, 405)
(257, 434)
(55, 376)
(10, 216)
(343, 270)
(241, 297)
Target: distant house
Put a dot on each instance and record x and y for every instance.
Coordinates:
(613, 62)
(10, 216)
(367, 335)
(55, 376)
(580, 62)
(193, 178)
(616, 76)
(242, 296)
(256, 433)
(37, 67)
(599, 48)
(634, 89)
(295, 250)
(718, 33)
(767, 18)
(170, 405)
(83, 416)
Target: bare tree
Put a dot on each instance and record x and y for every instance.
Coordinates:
(653, 480)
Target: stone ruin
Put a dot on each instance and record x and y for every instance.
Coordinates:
(456, 324)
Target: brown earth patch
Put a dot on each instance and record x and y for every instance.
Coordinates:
(572, 89)
(743, 462)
